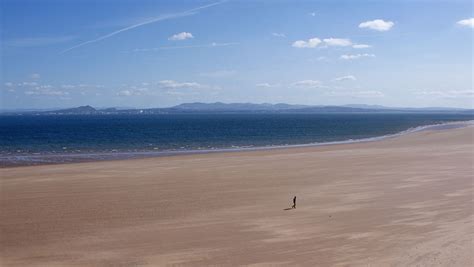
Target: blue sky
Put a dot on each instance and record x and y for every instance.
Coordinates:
(162, 53)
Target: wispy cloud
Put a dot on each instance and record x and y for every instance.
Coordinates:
(171, 84)
(181, 36)
(46, 90)
(345, 78)
(8, 87)
(38, 41)
(153, 20)
(35, 76)
(36, 88)
(169, 87)
(337, 42)
(326, 42)
(361, 46)
(125, 93)
(307, 84)
(356, 94)
(134, 91)
(277, 34)
(447, 94)
(377, 25)
(267, 85)
(467, 22)
(182, 47)
(311, 43)
(356, 56)
(26, 84)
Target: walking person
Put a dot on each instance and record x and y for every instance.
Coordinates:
(294, 203)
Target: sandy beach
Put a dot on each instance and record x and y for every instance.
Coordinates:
(404, 201)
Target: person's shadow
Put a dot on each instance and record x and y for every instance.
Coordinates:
(288, 209)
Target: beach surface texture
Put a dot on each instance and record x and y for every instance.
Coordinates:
(403, 201)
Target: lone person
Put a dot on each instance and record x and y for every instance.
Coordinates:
(294, 203)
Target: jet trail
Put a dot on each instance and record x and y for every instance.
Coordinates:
(160, 18)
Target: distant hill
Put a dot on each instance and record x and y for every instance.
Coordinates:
(288, 108)
(363, 106)
(219, 107)
(79, 110)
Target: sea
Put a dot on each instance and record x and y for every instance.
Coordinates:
(48, 139)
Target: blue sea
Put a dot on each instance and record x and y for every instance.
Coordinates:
(31, 140)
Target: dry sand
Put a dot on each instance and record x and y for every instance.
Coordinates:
(406, 201)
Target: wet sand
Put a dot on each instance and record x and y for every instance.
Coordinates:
(404, 201)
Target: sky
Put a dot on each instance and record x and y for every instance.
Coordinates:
(60, 53)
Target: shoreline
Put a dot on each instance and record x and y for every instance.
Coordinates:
(54, 159)
(402, 201)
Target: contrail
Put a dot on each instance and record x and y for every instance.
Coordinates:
(160, 18)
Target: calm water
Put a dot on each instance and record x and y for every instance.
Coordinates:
(33, 139)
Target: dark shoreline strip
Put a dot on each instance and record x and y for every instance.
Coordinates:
(49, 159)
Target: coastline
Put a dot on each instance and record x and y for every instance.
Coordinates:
(7, 161)
(398, 202)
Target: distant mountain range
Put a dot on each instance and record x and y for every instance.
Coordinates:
(219, 107)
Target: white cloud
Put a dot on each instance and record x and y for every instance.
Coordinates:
(267, 85)
(181, 36)
(447, 94)
(357, 94)
(125, 93)
(133, 91)
(311, 43)
(467, 22)
(166, 87)
(307, 84)
(356, 56)
(46, 90)
(9, 87)
(38, 89)
(368, 94)
(337, 42)
(361, 46)
(170, 84)
(345, 78)
(24, 84)
(35, 76)
(81, 86)
(178, 94)
(281, 35)
(153, 20)
(214, 44)
(378, 25)
(314, 42)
